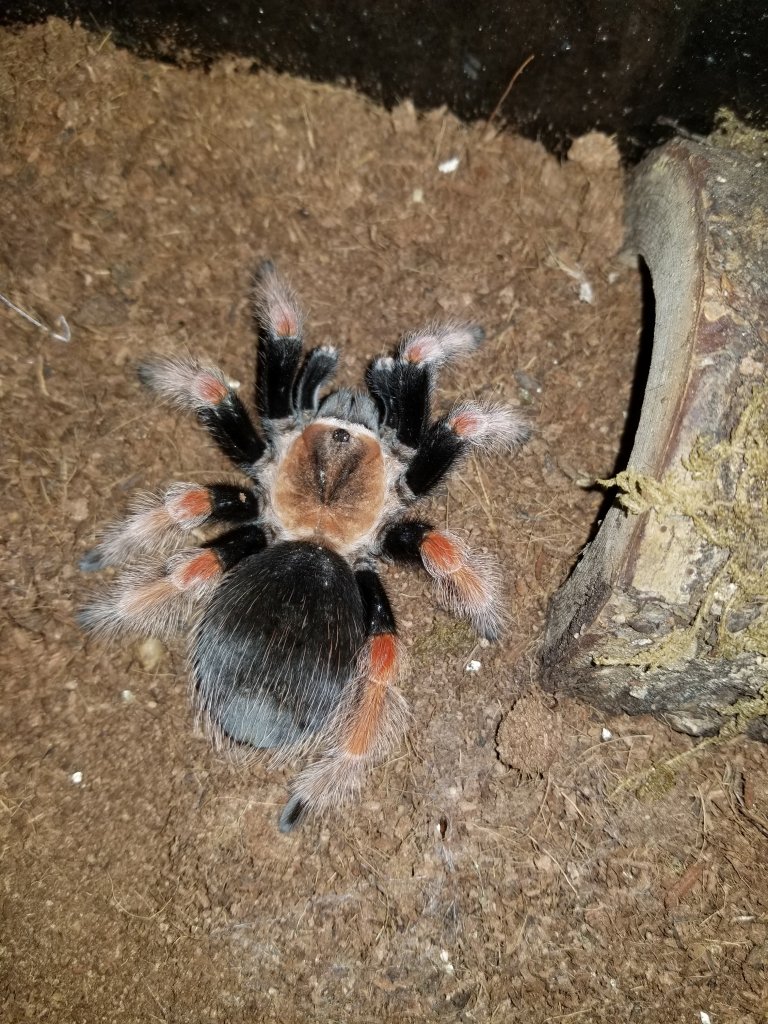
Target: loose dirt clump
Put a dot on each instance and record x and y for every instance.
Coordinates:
(143, 877)
(530, 737)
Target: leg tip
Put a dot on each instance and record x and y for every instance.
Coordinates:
(88, 618)
(477, 333)
(92, 561)
(145, 373)
(293, 814)
(265, 268)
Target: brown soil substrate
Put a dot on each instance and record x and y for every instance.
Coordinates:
(491, 871)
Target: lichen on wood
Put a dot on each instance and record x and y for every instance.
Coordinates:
(722, 488)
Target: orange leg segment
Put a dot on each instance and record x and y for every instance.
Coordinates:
(467, 584)
(381, 665)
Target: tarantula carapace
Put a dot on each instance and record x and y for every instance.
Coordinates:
(292, 637)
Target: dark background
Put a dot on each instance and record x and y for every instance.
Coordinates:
(637, 69)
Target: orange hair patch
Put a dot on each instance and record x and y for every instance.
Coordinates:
(416, 353)
(366, 722)
(286, 326)
(193, 505)
(465, 423)
(210, 389)
(201, 569)
(382, 657)
(441, 552)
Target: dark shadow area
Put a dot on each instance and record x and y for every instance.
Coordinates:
(642, 369)
(549, 69)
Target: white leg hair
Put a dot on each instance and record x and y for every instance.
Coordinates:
(154, 600)
(275, 304)
(155, 522)
(491, 427)
(439, 344)
(185, 383)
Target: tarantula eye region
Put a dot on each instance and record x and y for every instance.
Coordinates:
(341, 436)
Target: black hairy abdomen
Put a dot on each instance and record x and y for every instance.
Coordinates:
(276, 649)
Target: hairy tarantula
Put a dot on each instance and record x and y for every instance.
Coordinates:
(293, 640)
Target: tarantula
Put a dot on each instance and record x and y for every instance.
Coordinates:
(292, 637)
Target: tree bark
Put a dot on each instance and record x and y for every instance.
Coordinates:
(666, 611)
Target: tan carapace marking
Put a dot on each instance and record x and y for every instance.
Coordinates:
(331, 485)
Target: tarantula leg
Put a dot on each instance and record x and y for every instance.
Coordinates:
(235, 545)
(438, 344)
(469, 425)
(367, 725)
(402, 387)
(317, 370)
(159, 600)
(402, 392)
(280, 325)
(157, 521)
(468, 585)
(204, 390)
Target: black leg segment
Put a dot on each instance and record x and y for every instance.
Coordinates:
(317, 370)
(402, 391)
(278, 361)
(377, 609)
(415, 388)
(231, 504)
(235, 545)
(231, 428)
(402, 542)
(437, 453)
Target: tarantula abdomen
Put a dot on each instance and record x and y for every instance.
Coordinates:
(284, 616)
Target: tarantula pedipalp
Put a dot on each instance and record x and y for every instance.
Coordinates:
(292, 637)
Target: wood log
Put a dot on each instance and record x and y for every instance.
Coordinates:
(666, 612)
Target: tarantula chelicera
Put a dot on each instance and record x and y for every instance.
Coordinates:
(293, 639)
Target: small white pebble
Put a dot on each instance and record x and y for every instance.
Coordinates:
(76, 778)
(449, 166)
(613, 277)
(445, 956)
(586, 292)
(605, 734)
(150, 653)
(705, 1018)
(126, 695)
(417, 196)
(473, 666)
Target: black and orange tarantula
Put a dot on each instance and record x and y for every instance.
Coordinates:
(292, 635)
